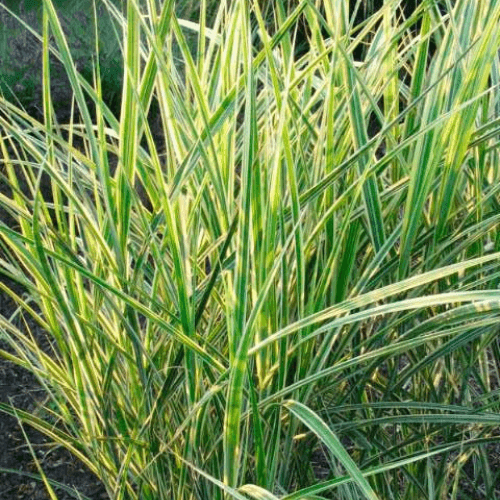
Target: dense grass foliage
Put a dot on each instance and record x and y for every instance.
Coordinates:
(304, 277)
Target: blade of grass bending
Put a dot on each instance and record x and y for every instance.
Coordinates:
(257, 492)
(47, 99)
(108, 212)
(418, 76)
(162, 30)
(332, 442)
(128, 133)
(360, 138)
(72, 74)
(239, 339)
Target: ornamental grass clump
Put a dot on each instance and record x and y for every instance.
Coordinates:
(303, 279)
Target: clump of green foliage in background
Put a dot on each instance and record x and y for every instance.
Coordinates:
(21, 53)
(21, 50)
(307, 267)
